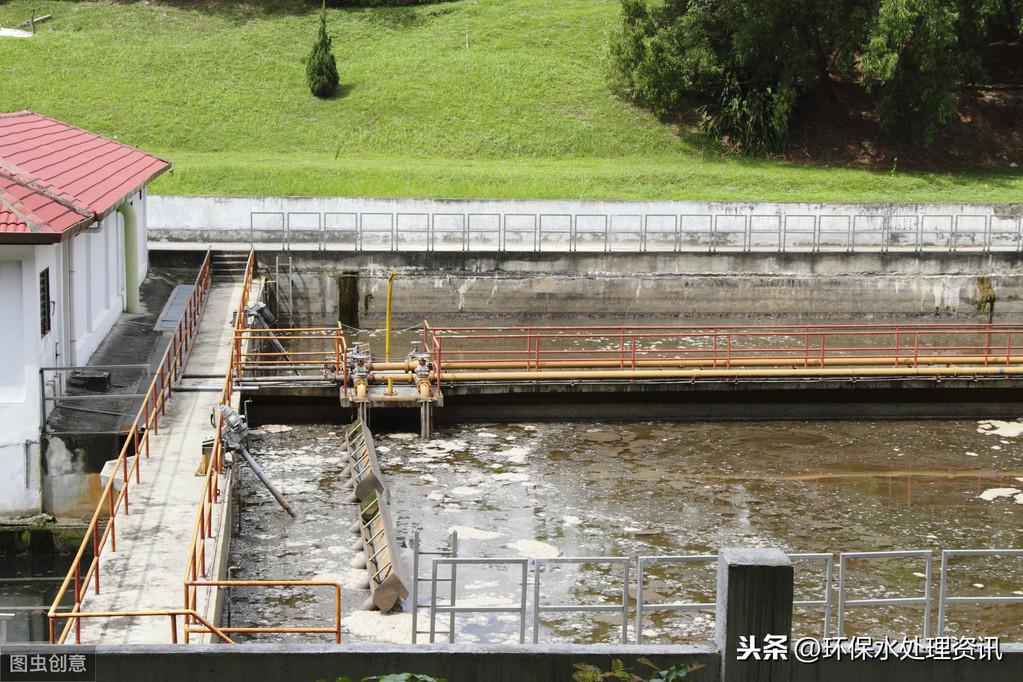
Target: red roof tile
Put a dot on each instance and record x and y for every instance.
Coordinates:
(55, 177)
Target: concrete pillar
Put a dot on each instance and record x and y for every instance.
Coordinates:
(754, 600)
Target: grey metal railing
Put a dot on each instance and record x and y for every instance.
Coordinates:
(924, 601)
(718, 232)
(539, 607)
(4, 617)
(454, 608)
(825, 602)
(945, 599)
(642, 607)
(417, 552)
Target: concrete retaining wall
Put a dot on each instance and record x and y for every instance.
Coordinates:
(288, 663)
(360, 224)
(457, 286)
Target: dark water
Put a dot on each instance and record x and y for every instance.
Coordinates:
(27, 588)
(648, 489)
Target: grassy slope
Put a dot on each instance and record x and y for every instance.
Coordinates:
(522, 112)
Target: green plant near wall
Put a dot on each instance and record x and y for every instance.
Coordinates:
(585, 672)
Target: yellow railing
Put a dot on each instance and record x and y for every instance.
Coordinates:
(136, 445)
(197, 568)
(203, 528)
(335, 630)
(172, 613)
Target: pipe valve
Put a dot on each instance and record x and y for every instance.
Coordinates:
(235, 432)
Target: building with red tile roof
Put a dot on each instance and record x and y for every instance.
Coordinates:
(72, 257)
(56, 178)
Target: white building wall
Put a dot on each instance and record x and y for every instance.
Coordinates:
(20, 482)
(92, 263)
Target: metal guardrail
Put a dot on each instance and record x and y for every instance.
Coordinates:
(4, 618)
(312, 353)
(111, 501)
(642, 607)
(173, 614)
(59, 378)
(539, 607)
(945, 599)
(638, 232)
(335, 586)
(924, 601)
(825, 602)
(196, 567)
(454, 608)
(417, 552)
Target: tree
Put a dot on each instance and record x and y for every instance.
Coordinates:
(748, 63)
(321, 68)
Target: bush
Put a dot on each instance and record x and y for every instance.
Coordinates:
(750, 61)
(321, 68)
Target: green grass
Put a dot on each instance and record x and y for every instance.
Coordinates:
(523, 111)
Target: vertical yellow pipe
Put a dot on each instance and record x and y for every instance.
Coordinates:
(387, 339)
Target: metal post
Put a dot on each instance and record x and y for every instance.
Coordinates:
(537, 564)
(524, 586)
(433, 601)
(941, 594)
(454, 586)
(641, 568)
(415, 584)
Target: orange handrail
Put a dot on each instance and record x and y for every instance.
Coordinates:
(335, 630)
(172, 613)
(196, 566)
(147, 421)
(203, 526)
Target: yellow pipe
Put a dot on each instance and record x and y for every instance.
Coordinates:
(710, 362)
(387, 338)
(424, 390)
(360, 390)
(731, 373)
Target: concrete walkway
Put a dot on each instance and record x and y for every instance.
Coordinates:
(147, 571)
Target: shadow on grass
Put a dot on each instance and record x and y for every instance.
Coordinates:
(244, 10)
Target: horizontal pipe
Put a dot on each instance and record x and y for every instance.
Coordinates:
(811, 361)
(580, 375)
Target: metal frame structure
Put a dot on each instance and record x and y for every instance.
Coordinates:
(716, 232)
(945, 599)
(417, 551)
(641, 607)
(539, 608)
(454, 609)
(924, 601)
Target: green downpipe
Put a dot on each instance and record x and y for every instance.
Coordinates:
(131, 258)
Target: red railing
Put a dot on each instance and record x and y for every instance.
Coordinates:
(317, 352)
(800, 346)
(136, 446)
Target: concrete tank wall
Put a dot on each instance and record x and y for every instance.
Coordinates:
(673, 286)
